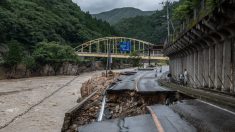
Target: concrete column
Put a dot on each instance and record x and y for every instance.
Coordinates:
(184, 63)
(174, 67)
(177, 67)
(206, 67)
(181, 65)
(195, 67)
(211, 66)
(200, 67)
(170, 69)
(226, 72)
(190, 68)
(188, 64)
(218, 66)
(233, 66)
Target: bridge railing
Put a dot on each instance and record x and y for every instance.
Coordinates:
(125, 54)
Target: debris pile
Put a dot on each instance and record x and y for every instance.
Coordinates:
(125, 105)
(98, 83)
(119, 104)
(130, 103)
(89, 111)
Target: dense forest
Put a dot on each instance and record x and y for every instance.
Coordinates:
(116, 15)
(27, 25)
(40, 32)
(154, 28)
(149, 28)
(33, 21)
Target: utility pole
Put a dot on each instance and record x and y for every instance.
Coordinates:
(149, 56)
(168, 18)
(109, 56)
(107, 63)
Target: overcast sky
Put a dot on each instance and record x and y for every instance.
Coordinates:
(97, 6)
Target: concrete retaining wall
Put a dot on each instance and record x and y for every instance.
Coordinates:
(47, 70)
(207, 51)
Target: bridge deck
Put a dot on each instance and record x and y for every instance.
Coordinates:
(160, 57)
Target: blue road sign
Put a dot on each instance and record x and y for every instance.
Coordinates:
(125, 46)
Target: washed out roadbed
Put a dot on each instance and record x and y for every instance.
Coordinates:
(87, 112)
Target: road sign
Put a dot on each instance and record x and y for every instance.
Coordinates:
(125, 46)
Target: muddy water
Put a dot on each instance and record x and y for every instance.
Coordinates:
(46, 116)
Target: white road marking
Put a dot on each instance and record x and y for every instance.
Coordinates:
(217, 107)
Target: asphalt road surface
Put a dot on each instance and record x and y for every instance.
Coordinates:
(182, 116)
(206, 116)
(142, 123)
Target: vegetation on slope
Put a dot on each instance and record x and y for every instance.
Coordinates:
(192, 11)
(149, 28)
(33, 21)
(25, 24)
(154, 28)
(116, 15)
(186, 8)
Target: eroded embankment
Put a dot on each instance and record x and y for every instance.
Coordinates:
(119, 104)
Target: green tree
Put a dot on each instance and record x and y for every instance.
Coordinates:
(211, 4)
(54, 54)
(13, 57)
(184, 10)
(135, 59)
(29, 63)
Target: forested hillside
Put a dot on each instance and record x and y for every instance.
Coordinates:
(33, 21)
(37, 33)
(116, 15)
(149, 28)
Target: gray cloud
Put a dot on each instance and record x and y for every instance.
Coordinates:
(97, 6)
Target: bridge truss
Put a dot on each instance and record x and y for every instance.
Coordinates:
(103, 47)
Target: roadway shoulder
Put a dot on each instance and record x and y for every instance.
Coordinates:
(221, 99)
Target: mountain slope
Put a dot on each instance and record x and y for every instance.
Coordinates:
(115, 15)
(151, 28)
(32, 21)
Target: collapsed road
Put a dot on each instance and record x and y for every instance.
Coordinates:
(137, 103)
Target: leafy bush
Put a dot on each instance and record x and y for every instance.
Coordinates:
(135, 59)
(211, 4)
(54, 54)
(14, 56)
(29, 63)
